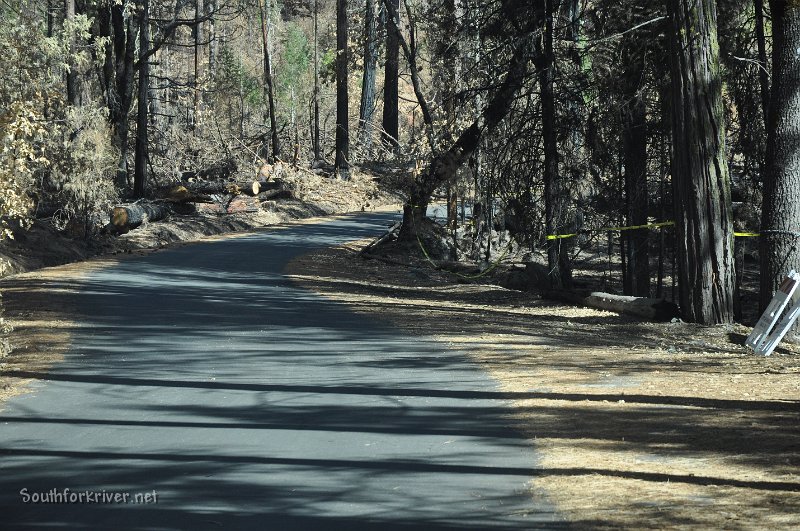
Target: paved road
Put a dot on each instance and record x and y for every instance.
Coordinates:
(245, 402)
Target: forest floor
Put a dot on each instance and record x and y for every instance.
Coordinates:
(637, 425)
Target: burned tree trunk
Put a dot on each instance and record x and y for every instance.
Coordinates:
(268, 82)
(444, 166)
(634, 144)
(342, 163)
(391, 124)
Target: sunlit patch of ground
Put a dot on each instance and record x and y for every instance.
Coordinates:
(637, 425)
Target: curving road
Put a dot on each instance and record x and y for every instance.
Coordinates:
(203, 377)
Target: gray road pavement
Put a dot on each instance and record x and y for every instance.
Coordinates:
(245, 402)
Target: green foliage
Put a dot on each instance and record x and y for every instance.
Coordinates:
(327, 66)
(234, 78)
(296, 60)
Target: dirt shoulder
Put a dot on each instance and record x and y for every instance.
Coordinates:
(637, 425)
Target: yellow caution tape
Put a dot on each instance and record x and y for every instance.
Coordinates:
(648, 226)
(609, 229)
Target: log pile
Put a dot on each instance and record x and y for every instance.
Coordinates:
(219, 197)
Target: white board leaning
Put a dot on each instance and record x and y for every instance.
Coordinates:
(775, 322)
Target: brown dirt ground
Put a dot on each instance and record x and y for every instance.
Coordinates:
(638, 425)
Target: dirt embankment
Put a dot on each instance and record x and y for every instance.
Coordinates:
(317, 195)
(637, 425)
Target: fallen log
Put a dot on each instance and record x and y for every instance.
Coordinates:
(275, 195)
(180, 194)
(127, 217)
(645, 307)
(277, 184)
(231, 205)
(642, 307)
(225, 187)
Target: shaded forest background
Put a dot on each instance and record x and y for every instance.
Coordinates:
(554, 120)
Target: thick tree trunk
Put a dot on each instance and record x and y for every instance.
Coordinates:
(780, 222)
(554, 190)
(368, 80)
(342, 163)
(391, 117)
(269, 88)
(701, 183)
(140, 168)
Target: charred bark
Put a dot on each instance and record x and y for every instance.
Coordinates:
(391, 110)
(342, 163)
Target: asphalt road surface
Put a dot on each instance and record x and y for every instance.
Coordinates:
(204, 382)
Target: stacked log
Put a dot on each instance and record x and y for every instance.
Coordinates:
(210, 197)
(127, 217)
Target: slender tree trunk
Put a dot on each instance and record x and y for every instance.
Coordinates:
(197, 31)
(451, 58)
(72, 75)
(211, 7)
(701, 183)
(342, 163)
(761, 42)
(391, 118)
(140, 168)
(50, 18)
(634, 142)
(317, 154)
(268, 84)
(119, 71)
(554, 193)
(780, 222)
(368, 80)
